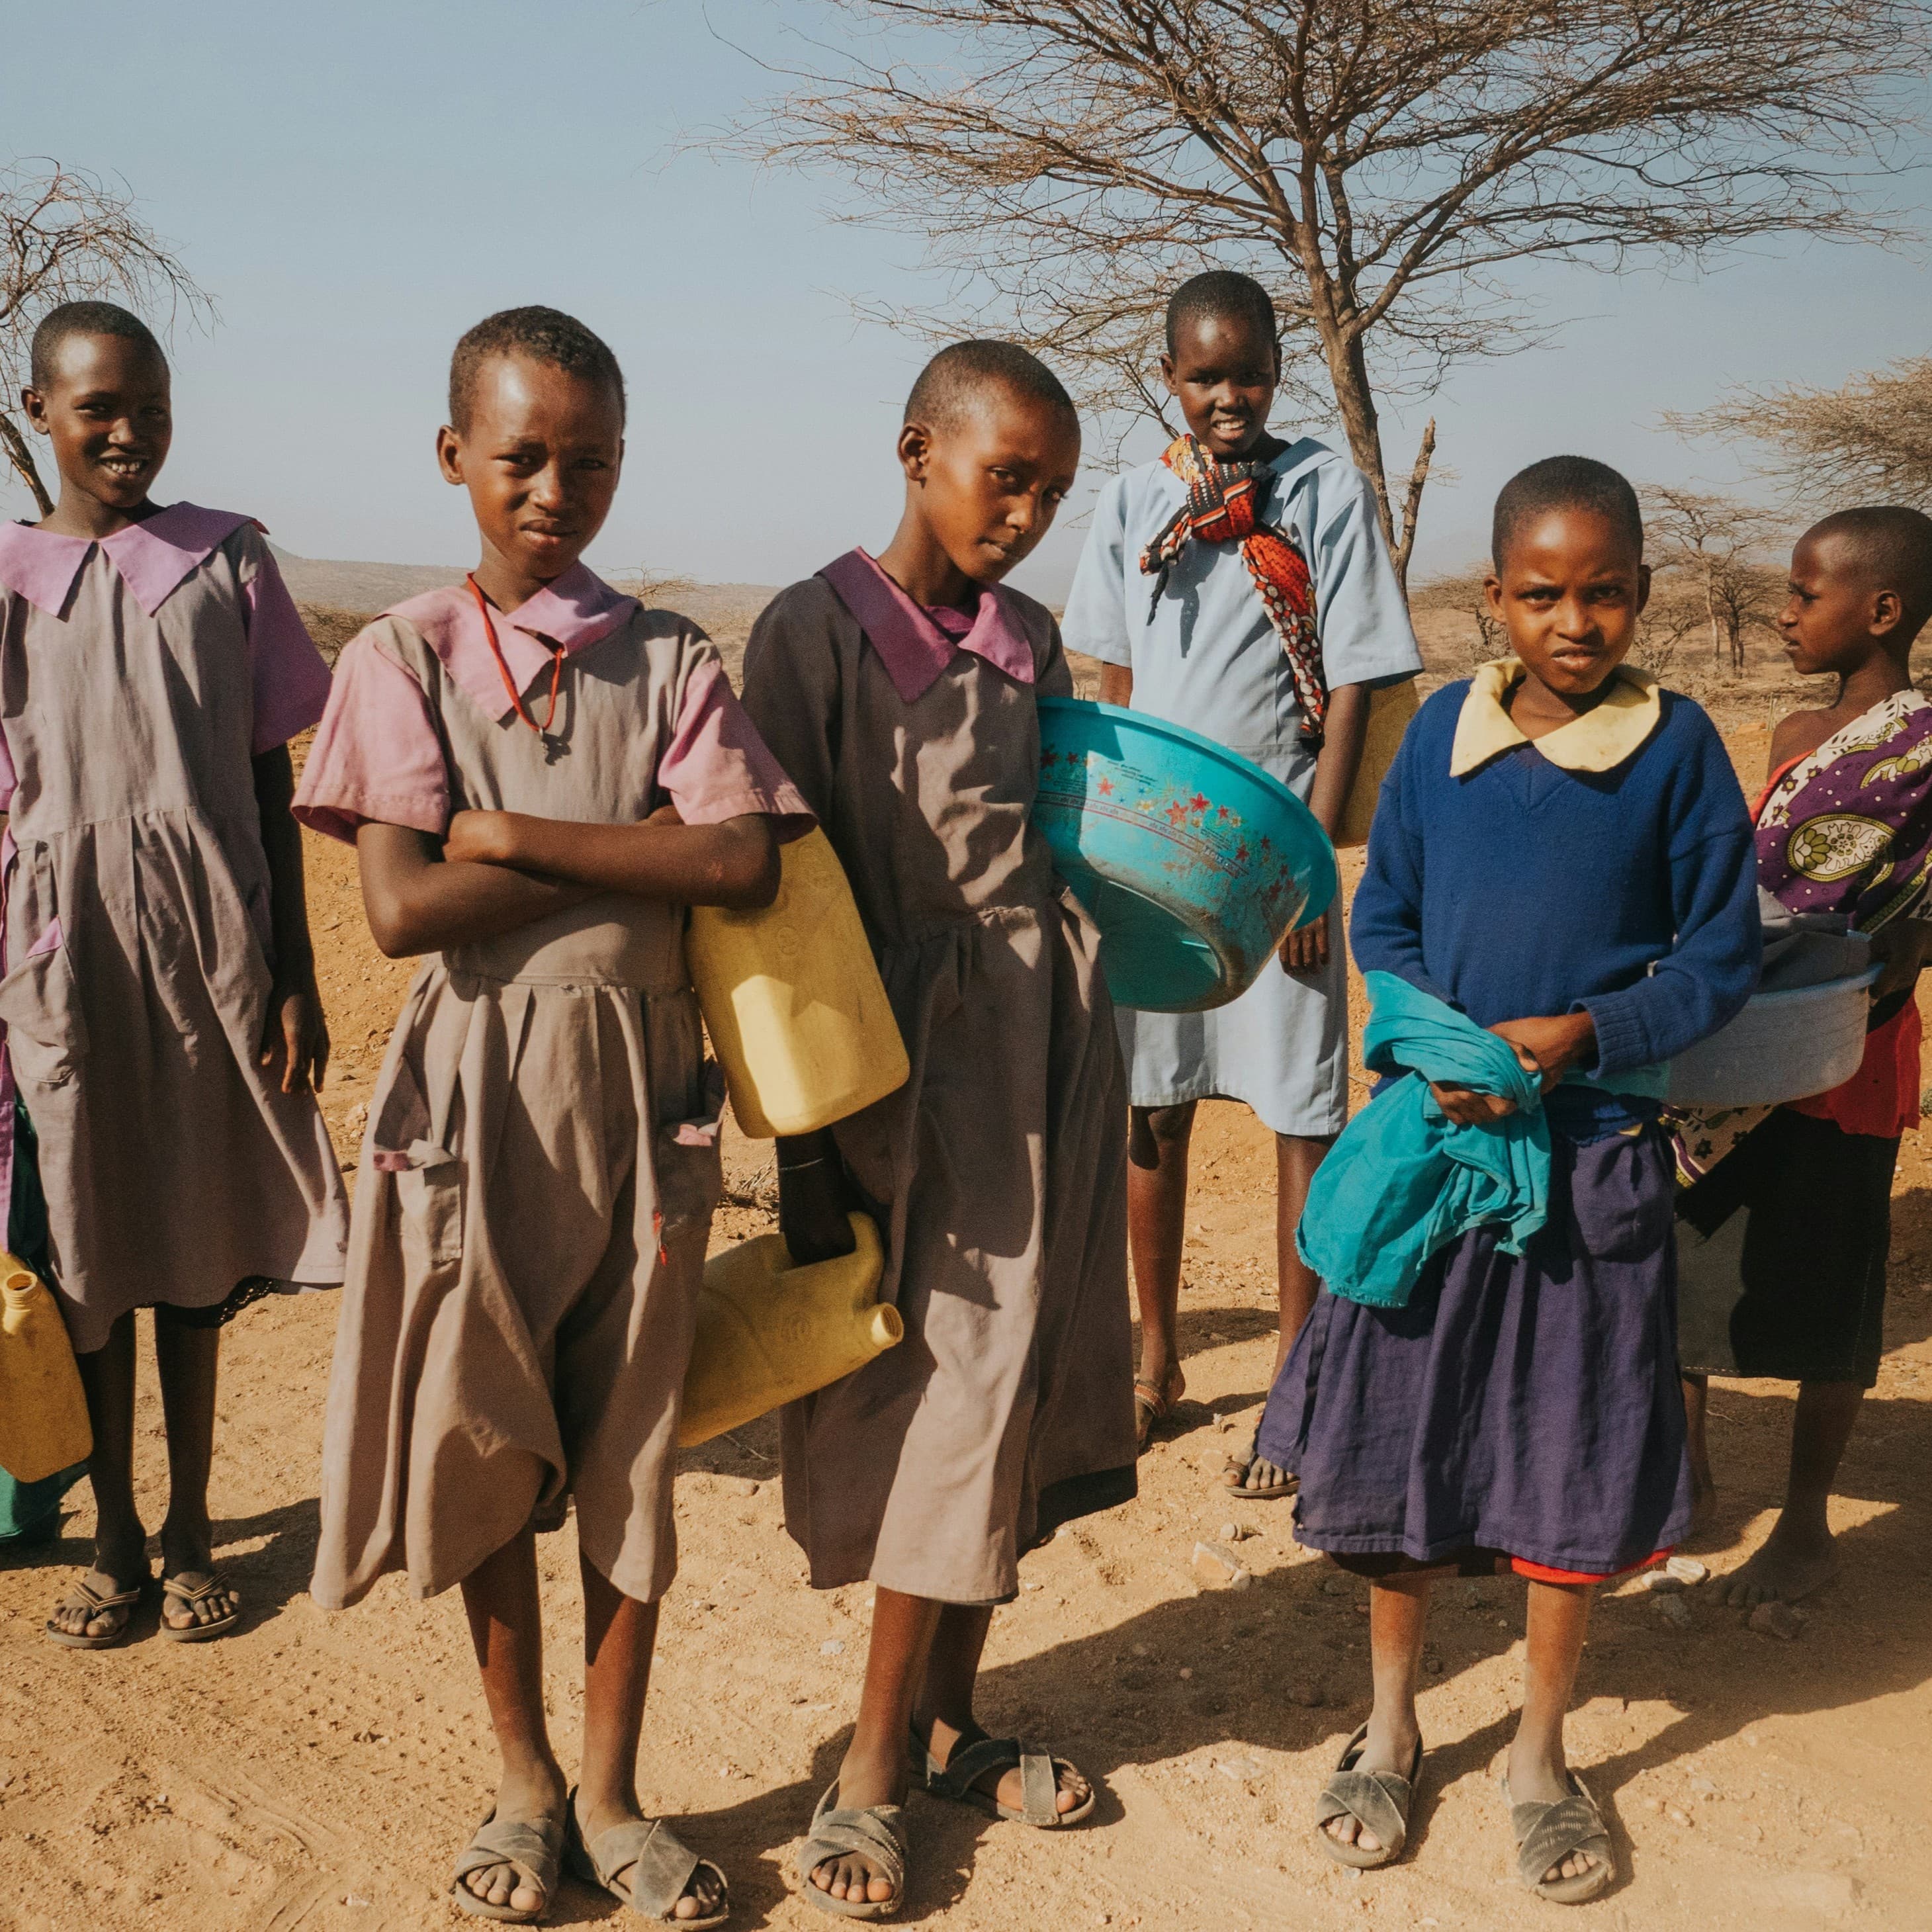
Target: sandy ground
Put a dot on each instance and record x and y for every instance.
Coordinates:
(321, 1771)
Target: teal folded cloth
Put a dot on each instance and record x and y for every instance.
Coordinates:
(1403, 1180)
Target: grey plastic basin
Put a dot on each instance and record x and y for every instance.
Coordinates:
(1785, 1046)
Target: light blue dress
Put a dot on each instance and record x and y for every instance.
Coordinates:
(1208, 658)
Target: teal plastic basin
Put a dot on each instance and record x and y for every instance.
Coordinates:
(1194, 863)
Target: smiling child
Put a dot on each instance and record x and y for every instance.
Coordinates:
(1560, 852)
(538, 775)
(899, 693)
(1784, 1241)
(163, 1025)
(1241, 587)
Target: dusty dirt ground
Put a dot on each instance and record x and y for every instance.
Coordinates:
(320, 1772)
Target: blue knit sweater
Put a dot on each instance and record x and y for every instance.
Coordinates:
(1521, 890)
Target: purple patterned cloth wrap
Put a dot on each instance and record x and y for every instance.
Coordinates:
(1849, 829)
(1527, 1404)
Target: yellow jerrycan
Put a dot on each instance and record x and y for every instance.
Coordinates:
(793, 1001)
(1390, 710)
(43, 1426)
(768, 1332)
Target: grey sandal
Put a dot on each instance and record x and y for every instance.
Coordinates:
(644, 1865)
(1379, 1801)
(534, 1849)
(878, 1833)
(84, 1595)
(1547, 1834)
(971, 1764)
(1234, 1479)
(179, 1589)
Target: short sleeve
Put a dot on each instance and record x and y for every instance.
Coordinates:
(1361, 616)
(717, 766)
(376, 758)
(291, 681)
(1095, 620)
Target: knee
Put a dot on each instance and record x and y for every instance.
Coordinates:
(1156, 1132)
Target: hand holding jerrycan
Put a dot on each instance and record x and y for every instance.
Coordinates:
(800, 1021)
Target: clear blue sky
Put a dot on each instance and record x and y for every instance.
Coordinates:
(357, 183)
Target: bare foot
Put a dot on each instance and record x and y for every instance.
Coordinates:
(1071, 1789)
(1389, 1749)
(700, 1898)
(534, 1799)
(852, 1876)
(1792, 1564)
(1541, 1781)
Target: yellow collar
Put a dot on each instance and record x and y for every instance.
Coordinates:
(1597, 741)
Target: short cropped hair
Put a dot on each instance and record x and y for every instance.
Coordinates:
(1227, 296)
(545, 335)
(950, 384)
(1565, 483)
(84, 318)
(1891, 547)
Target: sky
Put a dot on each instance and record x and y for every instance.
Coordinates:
(356, 184)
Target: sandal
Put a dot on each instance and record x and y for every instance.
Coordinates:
(182, 1591)
(1234, 1480)
(535, 1850)
(85, 1595)
(971, 1765)
(1547, 1834)
(1379, 1801)
(643, 1864)
(878, 1832)
(1153, 1406)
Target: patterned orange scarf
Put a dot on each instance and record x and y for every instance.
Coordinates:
(1220, 509)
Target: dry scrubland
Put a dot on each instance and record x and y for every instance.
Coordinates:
(320, 1772)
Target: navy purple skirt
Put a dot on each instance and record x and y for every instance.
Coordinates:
(1525, 1405)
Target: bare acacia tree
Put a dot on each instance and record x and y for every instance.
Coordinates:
(1716, 545)
(1385, 166)
(1872, 438)
(66, 235)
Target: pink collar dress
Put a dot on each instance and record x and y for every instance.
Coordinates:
(541, 1164)
(139, 677)
(998, 1171)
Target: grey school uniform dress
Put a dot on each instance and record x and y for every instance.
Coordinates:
(139, 676)
(998, 1171)
(541, 1162)
(1204, 655)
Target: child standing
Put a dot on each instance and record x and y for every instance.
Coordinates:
(899, 693)
(1239, 586)
(163, 1032)
(1560, 852)
(538, 776)
(1784, 1242)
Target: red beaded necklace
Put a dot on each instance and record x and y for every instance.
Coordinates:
(510, 683)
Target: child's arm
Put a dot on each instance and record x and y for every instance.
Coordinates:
(1345, 731)
(733, 863)
(295, 1038)
(418, 902)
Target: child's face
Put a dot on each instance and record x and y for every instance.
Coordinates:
(1834, 618)
(107, 414)
(989, 482)
(540, 457)
(1569, 593)
(1223, 372)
